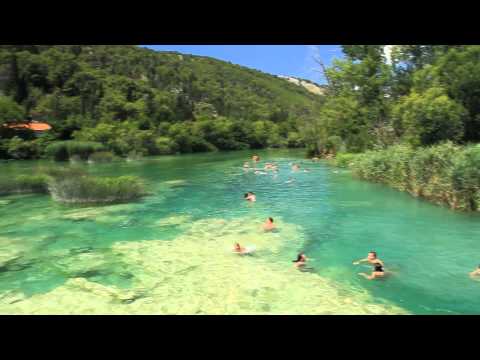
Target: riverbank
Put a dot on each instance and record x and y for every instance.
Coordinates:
(446, 174)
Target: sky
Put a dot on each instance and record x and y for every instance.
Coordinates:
(291, 60)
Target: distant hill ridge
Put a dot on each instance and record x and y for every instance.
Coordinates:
(132, 98)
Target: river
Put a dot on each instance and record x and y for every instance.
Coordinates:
(170, 253)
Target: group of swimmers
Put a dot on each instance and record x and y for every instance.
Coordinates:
(378, 266)
(267, 226)
(378, 270)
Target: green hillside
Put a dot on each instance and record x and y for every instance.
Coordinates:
(135, 99)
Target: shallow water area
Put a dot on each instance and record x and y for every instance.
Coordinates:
(171, 252)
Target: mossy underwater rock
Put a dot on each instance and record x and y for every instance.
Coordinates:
(173, 220)
(76, 296)
(175, 182)
(100, 214)
(84, 263)
(12, 251)
(197, 273)
(8, 257)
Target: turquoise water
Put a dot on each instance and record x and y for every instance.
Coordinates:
(170, 252)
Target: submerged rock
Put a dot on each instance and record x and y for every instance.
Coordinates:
(8, 257)
(81, 264)
(101, 214)
(196, 273)
(84, 214)
(173, 220)
(175, 183)
(12, 297)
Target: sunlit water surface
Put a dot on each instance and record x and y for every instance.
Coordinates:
(170, 253)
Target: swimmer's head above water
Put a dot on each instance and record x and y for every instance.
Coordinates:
(250, 196)
(300, 258)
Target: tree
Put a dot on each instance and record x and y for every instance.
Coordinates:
(10, 111)
(428, 118)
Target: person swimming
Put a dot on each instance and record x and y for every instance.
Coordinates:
(269, 225)
(378, 266)
(475, 272)
(295, 167)
(237, 248)
(250, 196)
(301, 260)
(256, 158)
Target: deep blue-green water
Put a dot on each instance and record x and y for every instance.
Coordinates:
(170, 252)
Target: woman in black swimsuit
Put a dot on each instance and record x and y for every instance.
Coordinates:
(378, 270)
(301, 260)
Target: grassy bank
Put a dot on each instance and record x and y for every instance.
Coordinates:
(444, 174)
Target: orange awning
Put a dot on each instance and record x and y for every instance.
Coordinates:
(35, 126)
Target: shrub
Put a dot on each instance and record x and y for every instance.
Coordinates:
(97, 190)
(444, 174)
(133, 155)
(166, 146)
(64, 150)
(63, 172)
(428, 118)
(24, 184)
(101, 156)
(344, 160)
(20, 149)
(294, 140)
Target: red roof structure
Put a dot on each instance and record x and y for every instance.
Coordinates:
(35, 126)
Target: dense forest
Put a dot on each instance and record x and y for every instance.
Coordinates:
(418, 95)
(129, 99)
(410, 121)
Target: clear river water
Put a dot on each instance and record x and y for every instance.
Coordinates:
(170, 253)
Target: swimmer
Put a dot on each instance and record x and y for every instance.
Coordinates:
(475, 272)
(301, 260)
(378, 266)
(256, 158)
(250, 196)
(237, 248)
(295, 167)
(269, 225)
